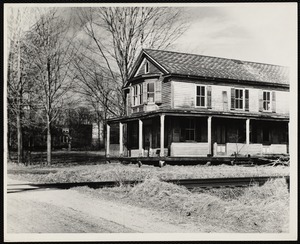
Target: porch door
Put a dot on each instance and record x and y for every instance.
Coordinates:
(266, 135)
(221, 134)
(147, 139)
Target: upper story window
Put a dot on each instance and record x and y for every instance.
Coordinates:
(146, 67)
(137, 94)
(239, 99)
(267, 101)
(150, 92)
(200, 96)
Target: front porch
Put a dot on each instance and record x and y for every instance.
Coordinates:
(195, 135)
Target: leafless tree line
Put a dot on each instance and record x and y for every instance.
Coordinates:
(59, 56)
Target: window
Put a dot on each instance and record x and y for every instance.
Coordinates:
(200, 96)
(266, 101)
(190, 130)
(239, 99)
(137, 95)
(146, 67)
(64, 139)
(150, 92)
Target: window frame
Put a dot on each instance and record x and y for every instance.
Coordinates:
(205, 96)
(243, 99)
(270, 101)
(137, 96)
(146, 67)
(147, 92)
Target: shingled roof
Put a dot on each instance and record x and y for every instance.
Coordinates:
(213, 67)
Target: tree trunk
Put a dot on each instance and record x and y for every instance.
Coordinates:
(19, 110)
(104, 136)
(20, 139)
(49, 149)
(99, 134)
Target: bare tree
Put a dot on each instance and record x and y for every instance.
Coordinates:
(98, 88)
(51, 53)
(118, 34)
(19, 84)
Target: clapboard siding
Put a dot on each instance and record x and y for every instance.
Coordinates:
(184, 97)
(282, 102)
(189, 149)
(243, 149)
(152, 69)
(166, 95)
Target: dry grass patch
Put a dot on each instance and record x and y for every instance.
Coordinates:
(256, 210)
(119, 172)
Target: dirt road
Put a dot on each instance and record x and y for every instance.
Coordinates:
(69, 211)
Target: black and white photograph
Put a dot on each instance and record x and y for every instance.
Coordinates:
(150, 121)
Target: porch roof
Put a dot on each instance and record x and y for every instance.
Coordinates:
(172, 112)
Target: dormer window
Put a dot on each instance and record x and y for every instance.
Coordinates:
(146, 67)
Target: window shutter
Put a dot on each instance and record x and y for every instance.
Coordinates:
(232, 98)
(129, 101)
(260, 101)
(145, 98)
(208, 96)
(225, 100)
(273, 101)
(158, 84)
(131, 95)
(246, 100)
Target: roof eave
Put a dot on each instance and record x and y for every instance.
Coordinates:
(230, 80)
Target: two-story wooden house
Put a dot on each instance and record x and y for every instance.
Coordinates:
(181, 104)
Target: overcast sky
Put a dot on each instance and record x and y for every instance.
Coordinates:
(259, 32)
(251, 32)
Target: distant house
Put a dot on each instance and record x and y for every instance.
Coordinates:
(77, 136)
(181, 104)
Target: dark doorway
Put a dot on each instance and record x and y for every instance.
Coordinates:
(266, 135)
(221, 134)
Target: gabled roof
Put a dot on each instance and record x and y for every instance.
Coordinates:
(185, 64)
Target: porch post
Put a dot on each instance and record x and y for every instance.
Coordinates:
(121, 138)
(141, 137)
(209, 134)
(247, 131)
(288, 139)
(107, 138)
(162, 135)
